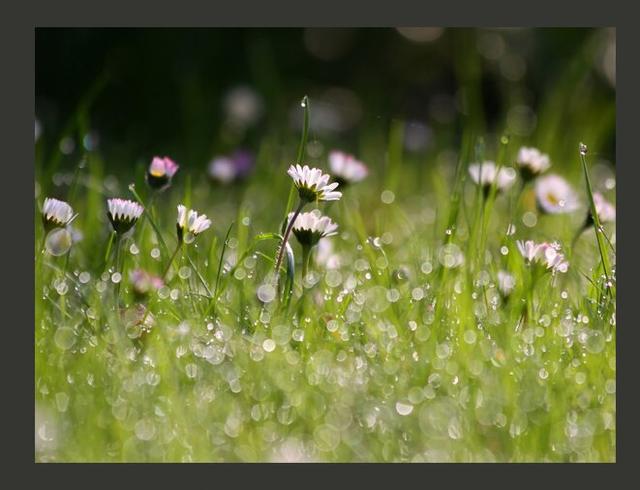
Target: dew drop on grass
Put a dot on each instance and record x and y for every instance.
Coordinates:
(333, 278)
(58, 242)
(64, 338)
(62, 401)
(268, 345)
(377, 299)
(529, 219)
(326, 437)
(387, 197)
(595, 342)
(155, 253)
(133, 249)
(470, 337)
(175, 294)
(184, 272)
(404, 408)
(266, 293)
(116, 277)
(393, 295)
(298, 335)
(191, 370)
(145, 429)
(62, 288)
(610, 386)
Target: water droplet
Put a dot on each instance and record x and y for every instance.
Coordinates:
(155, 253)
(116, 277)
(64, 338)
(583, 149)
(268, 345)
(84, 277)
(266, 293)
(58, 242)
(403, 408)
(184, 272)
(191, 370)
(145, 429)
(387, 197)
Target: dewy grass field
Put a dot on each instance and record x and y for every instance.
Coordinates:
(463, 309)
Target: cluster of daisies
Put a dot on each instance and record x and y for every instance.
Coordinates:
(308, 227)
(123, 214)
(554, 195)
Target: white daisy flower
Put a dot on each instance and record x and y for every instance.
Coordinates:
(55, 213)
(545, 254)
(532, 162)
(506, 283)
(123, 214)
(486, 173)
(606, 211)
(554, 195)
(345, 168)
(191, 222)
(313, 185)
(310, 227)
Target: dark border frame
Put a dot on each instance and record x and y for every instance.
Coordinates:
(17, 81)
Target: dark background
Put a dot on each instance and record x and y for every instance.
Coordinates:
(152, 91)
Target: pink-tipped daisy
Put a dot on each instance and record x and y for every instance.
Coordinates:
(313, 185)
(143, 282)
(346, 169)
(160, 172)
(190, 224)
(543, 254)
(123, 214)
(310, 227)
(532, 162)
(554, 195)
(55, 213)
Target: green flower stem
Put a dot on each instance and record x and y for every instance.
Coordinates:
(306, 254)
(285, 238)
(596, 220)
(171, 259)
(147, 213)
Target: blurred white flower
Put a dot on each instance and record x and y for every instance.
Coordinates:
(191, 222)
(554, 195)
(606, 211)
(222, 170)
(243, 105)
(486, 173)
(506, 283)
(123, 214)
(345, 168)
(325, 255)
(313, 185)
(532, 162)
(227, 169)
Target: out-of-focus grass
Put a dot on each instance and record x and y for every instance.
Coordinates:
(389, 356)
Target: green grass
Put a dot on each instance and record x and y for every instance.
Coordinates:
(392, 356)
